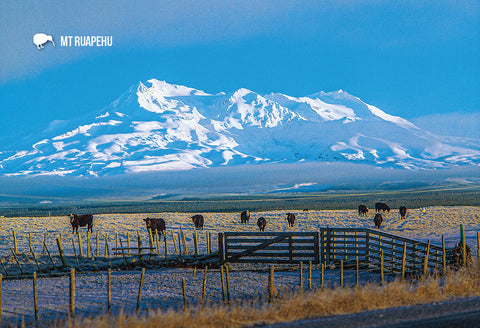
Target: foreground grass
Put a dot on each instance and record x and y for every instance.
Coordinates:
(463, 283)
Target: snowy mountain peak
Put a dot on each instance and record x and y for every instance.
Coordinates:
(159, 126)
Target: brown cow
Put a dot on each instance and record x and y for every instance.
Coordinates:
(291, 219)
(403, 212)
(378, 220)
(156, 225)
(197, 220)
(245, 216)
(362, 210)
(261, 222)
(82, 221)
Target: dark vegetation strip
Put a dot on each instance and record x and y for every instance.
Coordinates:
(469, 196)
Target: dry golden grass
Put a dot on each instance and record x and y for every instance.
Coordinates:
(463, 283)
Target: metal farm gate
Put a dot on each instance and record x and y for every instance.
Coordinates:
(269, 247)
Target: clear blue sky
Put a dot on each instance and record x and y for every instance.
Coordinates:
(410, 58)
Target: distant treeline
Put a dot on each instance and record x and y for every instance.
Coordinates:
(469, 196)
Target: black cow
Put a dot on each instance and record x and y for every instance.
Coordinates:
(245, 216)
(197, 220)
(291, 219)
(362, 210)
(261, 222)
(378, 220)
(403, 211)
(381, 207)
(82, 221)
(155, 225)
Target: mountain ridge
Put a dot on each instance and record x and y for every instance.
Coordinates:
(165, 127)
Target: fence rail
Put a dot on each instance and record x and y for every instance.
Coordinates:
(372, 248)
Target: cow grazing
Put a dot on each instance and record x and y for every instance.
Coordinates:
(291, 219)
(261, 222)
(362, 210)
(378, 220)
(197, 220)
(82, 221)
(156, 225)
(403, 212)
(245, 216)
(381, 207)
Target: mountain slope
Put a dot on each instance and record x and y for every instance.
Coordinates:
(161, 127)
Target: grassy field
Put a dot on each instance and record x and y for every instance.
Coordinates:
(322, 302)
(413, 198)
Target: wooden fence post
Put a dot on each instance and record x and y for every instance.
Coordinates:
(464, 245)
(322, 281)
(35, 298)
(139, 245)
(109, 290)
(341, 273)
(71, 307)
(150, 241)
(60, 251)
(139, 298)
(96, 242)
(195, 242)
(444, 256)
(208, 242)
(88, 245)
(80, 248)
(382, 277)
(14, 242)
(271, 285)
(106, 245)
(44, 242)
(116, 245)
(184, 295)
(221, 247)
(30, 241)
(128, 242)
(204, 289)
(425, 261)
(404, 260)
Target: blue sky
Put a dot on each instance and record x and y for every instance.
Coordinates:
(410, 58)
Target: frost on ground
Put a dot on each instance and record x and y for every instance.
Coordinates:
(162, 287)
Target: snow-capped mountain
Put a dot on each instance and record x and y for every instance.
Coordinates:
(159, 127)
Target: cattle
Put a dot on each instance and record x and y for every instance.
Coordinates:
(403, 212)
(197, 220)
(261, 222)
(381, 207)
(291, 219)
(362, 210)
(378, 220)
(245, 216)
(305, 209)
(156, 225)
(82, 221)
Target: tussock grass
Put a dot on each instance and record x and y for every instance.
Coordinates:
(462, 283)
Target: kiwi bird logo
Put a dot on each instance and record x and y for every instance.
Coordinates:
(41, 38)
